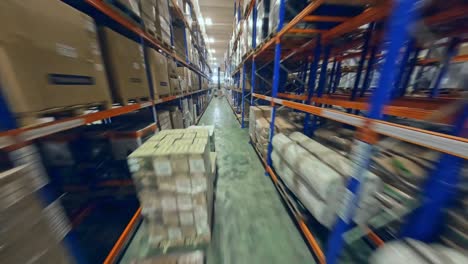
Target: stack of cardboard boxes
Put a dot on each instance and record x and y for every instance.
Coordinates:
(173, 174)
(164, 119)
(125, 67)
(51, 59)
(31, 232)
(159, 73)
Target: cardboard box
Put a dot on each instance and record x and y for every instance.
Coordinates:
(50, 57)
(177, 118)
(175, 86)
(159, 73)
(125, 66)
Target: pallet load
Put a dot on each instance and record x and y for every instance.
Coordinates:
(125, 67)
(31, 231)
(59, 34)
(255, 113)
(174, 179)
(164, 119)
(318, 175)
(159, 74)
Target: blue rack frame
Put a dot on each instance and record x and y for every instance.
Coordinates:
(395, 78)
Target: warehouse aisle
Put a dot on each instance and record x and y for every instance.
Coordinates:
(251, 223)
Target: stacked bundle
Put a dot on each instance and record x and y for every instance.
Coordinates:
(164, 118)
(31, 232)
(321, 188)
(174, 179)
(177, 118)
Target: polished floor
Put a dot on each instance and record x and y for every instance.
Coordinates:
(251, 225)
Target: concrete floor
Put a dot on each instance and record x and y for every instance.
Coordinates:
(251, 225)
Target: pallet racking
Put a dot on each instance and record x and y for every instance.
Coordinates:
(378, 36)
(13, 137)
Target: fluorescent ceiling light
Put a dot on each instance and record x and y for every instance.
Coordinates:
(212, 51)
(208, 21)
(211, 40)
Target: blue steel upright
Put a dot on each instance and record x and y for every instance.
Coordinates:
(243, 95)
(276, 80)
(396, 35)
(254, 45)
(311, 83)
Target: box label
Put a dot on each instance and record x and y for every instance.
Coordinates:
(68, 79)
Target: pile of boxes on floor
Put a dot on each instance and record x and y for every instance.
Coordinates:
(92, 65)
(174, 175)
(286, 122)
(33, 224)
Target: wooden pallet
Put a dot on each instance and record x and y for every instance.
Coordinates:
(34, 118)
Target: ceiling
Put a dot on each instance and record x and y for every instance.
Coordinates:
(221, 13)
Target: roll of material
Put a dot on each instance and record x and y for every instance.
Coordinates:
(317, 175)
(323, 174)
(371, 184)
(416, 252)
(323, 211)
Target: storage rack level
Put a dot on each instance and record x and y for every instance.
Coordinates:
(317, 37)
(17, 137)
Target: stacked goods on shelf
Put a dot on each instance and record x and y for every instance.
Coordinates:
(321, 189)
(263, 13)
(127, 6)
(456, 232)
(336, 136)
(148, 15)
(54, 32)
(125, 67)
(164, 119)
(159, 73)
(414, 251)
(173, 176)
(177, 118)
(176, 87)
(32, 232)
(186, 112)
(179, 39)
(255, 113)
(163, 21)
(126, 139)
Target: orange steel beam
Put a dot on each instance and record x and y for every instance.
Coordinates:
(309, 9)
(450, 14)
(306, 31)
(374, 237)
(456, 59)
(395, 110)
(312, 242)
(114, 253)
(356, 120)
(324, 19)
(369, 15)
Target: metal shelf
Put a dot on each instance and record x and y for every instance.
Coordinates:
(102, 8)
(12, 137)
(331, 35)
